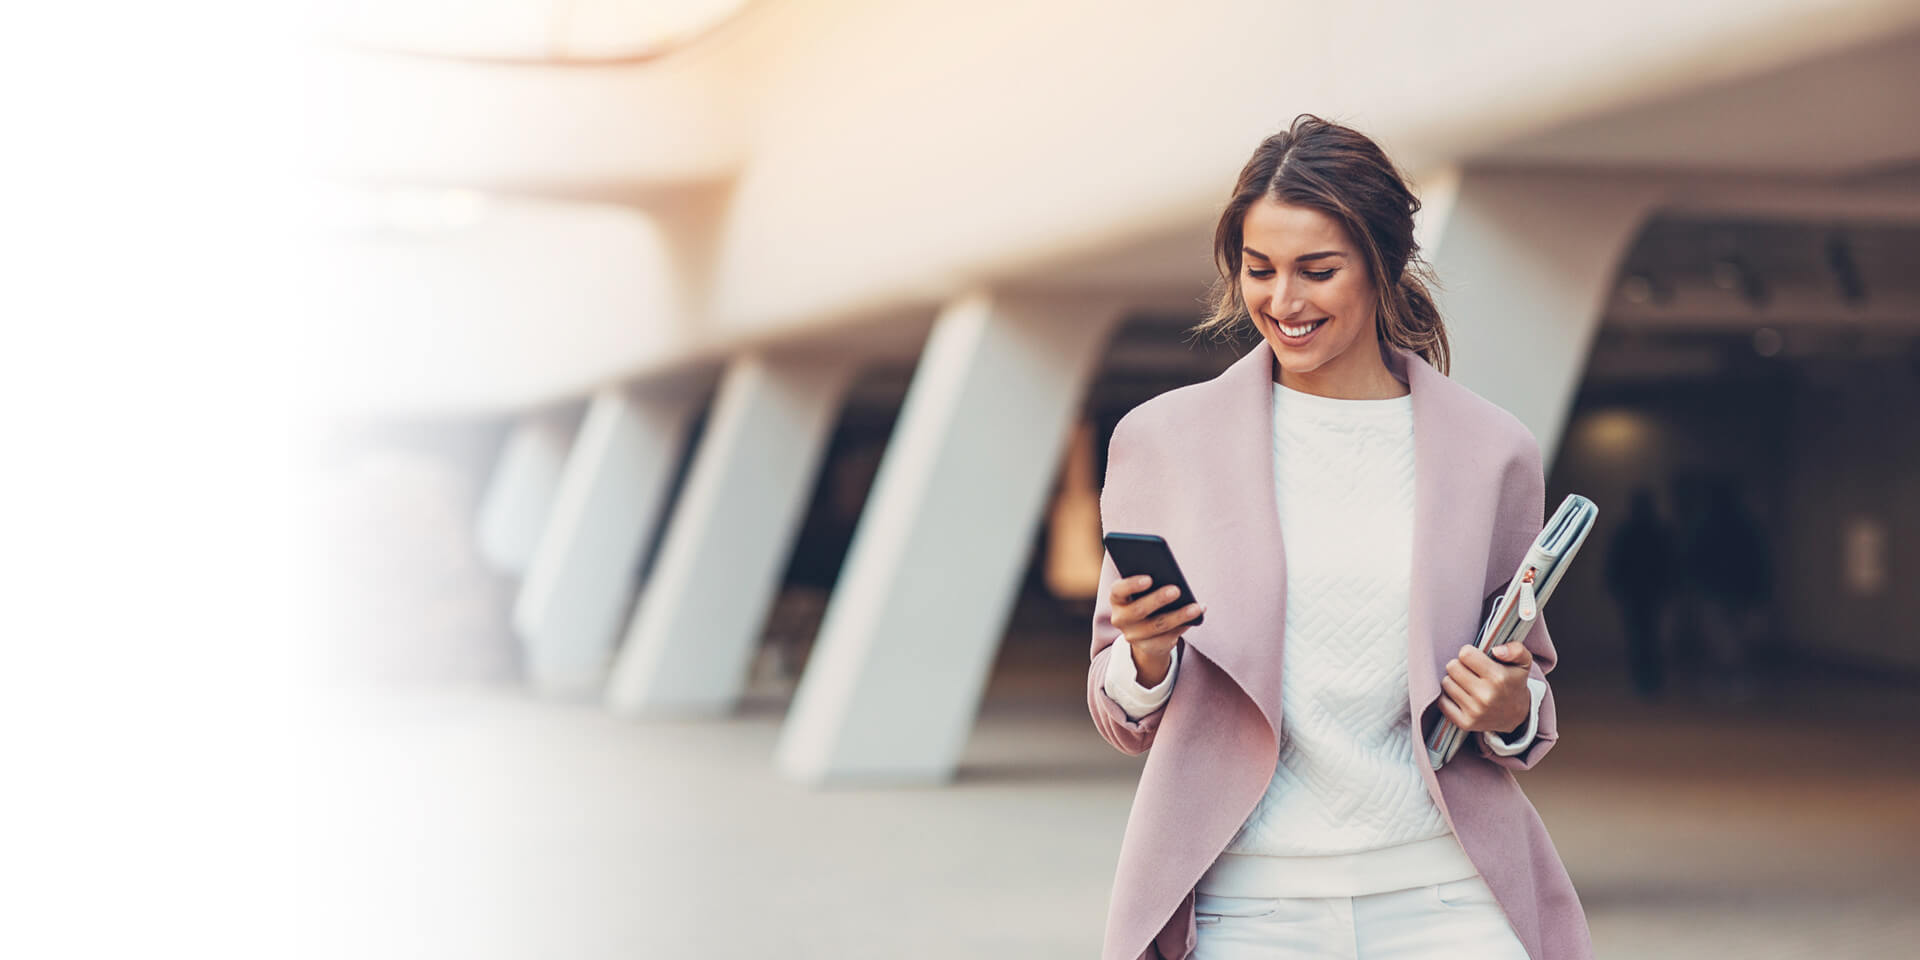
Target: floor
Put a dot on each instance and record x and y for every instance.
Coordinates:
(476, 823)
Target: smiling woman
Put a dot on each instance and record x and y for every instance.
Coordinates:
(1338, 500)
(1318, 214)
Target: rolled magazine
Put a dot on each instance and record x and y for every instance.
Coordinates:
(1516, 610)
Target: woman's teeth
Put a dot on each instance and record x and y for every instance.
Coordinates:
(1302, 330)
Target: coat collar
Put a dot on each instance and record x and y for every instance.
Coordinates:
(1241, 638)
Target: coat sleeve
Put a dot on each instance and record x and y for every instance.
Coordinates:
(1523, 501)
(1128, 736)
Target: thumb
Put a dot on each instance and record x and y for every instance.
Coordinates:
(1514, 654)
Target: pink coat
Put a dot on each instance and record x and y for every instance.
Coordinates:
(1195, 465)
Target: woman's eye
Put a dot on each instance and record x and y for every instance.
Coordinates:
(1309, 274)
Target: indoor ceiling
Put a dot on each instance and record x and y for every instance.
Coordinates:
(1741, 274)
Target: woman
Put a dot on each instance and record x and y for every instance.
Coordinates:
(1286, 808)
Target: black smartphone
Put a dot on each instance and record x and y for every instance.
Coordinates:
(1135, 554)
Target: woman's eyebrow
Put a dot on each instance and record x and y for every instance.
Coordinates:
(1303, 258)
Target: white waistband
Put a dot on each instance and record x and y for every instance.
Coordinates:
(1397, 867)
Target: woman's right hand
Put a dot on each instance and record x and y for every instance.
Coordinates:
(1151, 638)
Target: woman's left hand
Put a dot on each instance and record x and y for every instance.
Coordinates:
(1480, 693)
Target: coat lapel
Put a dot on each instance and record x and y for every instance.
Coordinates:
(1242, 560)
(1441, 588)
(1432, 575)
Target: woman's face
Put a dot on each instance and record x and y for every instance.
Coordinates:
(1307, 290)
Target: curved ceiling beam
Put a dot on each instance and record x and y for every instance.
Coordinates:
(551, 32)
(444, 305)
(603, 131)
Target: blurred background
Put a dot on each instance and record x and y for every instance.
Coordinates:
(699, 431)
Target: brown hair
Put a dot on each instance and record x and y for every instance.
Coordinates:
(1340, 172)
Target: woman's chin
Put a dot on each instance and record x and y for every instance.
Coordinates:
(1297, 360)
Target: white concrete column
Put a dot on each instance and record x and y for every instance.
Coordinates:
(700, 614)
(580, 580)
(519, 494)
(895, 678)
(1525, 261)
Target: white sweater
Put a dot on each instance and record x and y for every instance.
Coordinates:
(1347, 812)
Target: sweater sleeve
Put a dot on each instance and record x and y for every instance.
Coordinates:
(1122, 682)
(1501, 746)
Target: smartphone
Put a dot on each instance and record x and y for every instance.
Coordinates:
(1135, 554)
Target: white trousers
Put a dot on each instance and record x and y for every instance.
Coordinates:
(1439, 921)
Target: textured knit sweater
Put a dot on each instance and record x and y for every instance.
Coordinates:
(1347, 812)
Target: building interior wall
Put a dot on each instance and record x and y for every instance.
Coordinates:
(1818, 452)
(1855, 527)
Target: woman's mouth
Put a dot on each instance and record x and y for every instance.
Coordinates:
(1296, 334)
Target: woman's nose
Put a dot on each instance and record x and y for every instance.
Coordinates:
(1286, 302)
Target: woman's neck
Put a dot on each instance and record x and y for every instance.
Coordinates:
(1368, 379)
